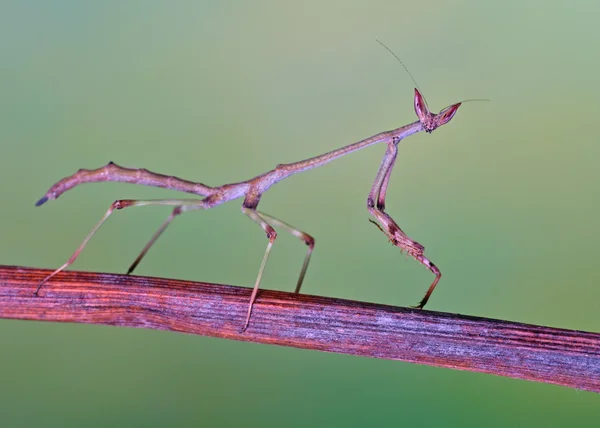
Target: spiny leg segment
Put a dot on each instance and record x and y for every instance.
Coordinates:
(376, 206)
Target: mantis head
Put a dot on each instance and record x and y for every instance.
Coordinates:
(429, 120)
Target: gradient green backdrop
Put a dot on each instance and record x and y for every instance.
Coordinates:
(505, 198)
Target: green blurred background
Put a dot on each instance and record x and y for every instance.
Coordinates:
(504, 198)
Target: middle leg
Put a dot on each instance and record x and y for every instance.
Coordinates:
(308, 240)
(249, 208)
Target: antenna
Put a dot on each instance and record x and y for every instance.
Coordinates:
(467, 101)
(415, 82)
(405, 68)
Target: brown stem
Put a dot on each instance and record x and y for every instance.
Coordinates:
(543, 354)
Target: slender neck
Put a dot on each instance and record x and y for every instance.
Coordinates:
(304, 165)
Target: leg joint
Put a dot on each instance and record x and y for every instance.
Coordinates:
(122, 203)
(309, 240)
(271, 234)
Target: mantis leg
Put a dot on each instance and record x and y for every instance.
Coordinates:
(261, 219)
(182, 204)
(308, 240)
(176, 211)
(376, 206)
(249, 208)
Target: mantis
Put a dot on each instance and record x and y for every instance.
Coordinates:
(252, 190)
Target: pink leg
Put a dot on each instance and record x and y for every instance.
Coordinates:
(249, 208)
(308, 240)
(376, 206)
(176, 211)
(118, 205)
